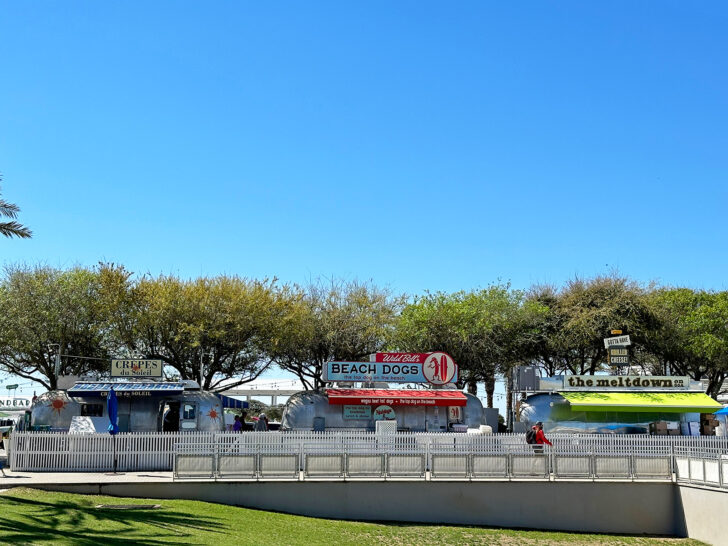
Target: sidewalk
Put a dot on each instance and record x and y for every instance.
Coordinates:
(30, 479)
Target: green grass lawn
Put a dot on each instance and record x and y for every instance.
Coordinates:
(29, 516)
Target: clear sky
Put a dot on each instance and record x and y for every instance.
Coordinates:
(423, 145)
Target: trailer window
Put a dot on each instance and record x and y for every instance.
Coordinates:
(92, 410)
(188, 411)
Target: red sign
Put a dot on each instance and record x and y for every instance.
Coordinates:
(402, 358)
(438, 368)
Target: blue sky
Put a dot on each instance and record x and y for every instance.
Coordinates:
(424, 145)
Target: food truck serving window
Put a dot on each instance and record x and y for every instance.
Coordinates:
(188, 411)
(92, 410)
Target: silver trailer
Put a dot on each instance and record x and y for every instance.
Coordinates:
(151, 409)
(311, 410)
(556, 414)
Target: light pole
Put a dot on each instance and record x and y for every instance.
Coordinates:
(13, 388)
(58, 358)
(202, 367)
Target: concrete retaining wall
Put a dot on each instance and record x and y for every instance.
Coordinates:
(601, 507)
(704, 513)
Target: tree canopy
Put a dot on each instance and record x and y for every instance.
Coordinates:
(333, 320)
(44, 310)
(486, 331)
(227, 330)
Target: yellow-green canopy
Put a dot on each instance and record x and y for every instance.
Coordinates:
(663, 402)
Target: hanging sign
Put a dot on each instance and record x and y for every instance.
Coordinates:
(136, 368)
(384, 413)
(619, 341)
(618, 356)
(435, 368)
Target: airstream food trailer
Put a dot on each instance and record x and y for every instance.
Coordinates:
(416, 410)
(622, 404)
(358, 395)
(143, 407)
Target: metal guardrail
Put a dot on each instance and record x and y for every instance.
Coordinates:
(701, 466)
(434, 457)
(356, 454)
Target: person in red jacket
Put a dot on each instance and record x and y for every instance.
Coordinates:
(540, 438)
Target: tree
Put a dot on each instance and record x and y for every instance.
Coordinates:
(12, 228)
(691, 337)
(547, 353)
(44, 310)
(586, 310)
(333, 320)
(485, 331)
(208, 329)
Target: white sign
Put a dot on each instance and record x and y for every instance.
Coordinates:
(439, 368)
(626, 383)
(619, 341)
(136, 367)
(454, 414)
(13, 404)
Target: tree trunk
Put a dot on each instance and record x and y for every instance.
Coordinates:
(473, 387)
(489, 390)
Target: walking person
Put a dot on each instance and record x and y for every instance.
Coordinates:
(261, 424)
(238, 424)
(537, 438)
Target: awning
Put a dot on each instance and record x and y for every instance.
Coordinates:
(125, 389)
(654, 402)
(232, 403)
(376, 397)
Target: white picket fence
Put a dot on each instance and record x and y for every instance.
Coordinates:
(61, 452)
(348, 453)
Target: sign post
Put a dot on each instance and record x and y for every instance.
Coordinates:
(617, 352)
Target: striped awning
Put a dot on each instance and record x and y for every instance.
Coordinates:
(127, 389)
(232, 403)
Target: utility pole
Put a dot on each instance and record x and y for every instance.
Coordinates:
(57, 368)
(202, 367)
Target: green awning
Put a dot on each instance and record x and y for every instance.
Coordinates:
(664, 402)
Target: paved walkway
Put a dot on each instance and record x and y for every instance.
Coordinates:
(30, 479)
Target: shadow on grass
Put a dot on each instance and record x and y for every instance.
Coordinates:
(81, 523)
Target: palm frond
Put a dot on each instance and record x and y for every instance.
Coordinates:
(15, 229)
(8, 209)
